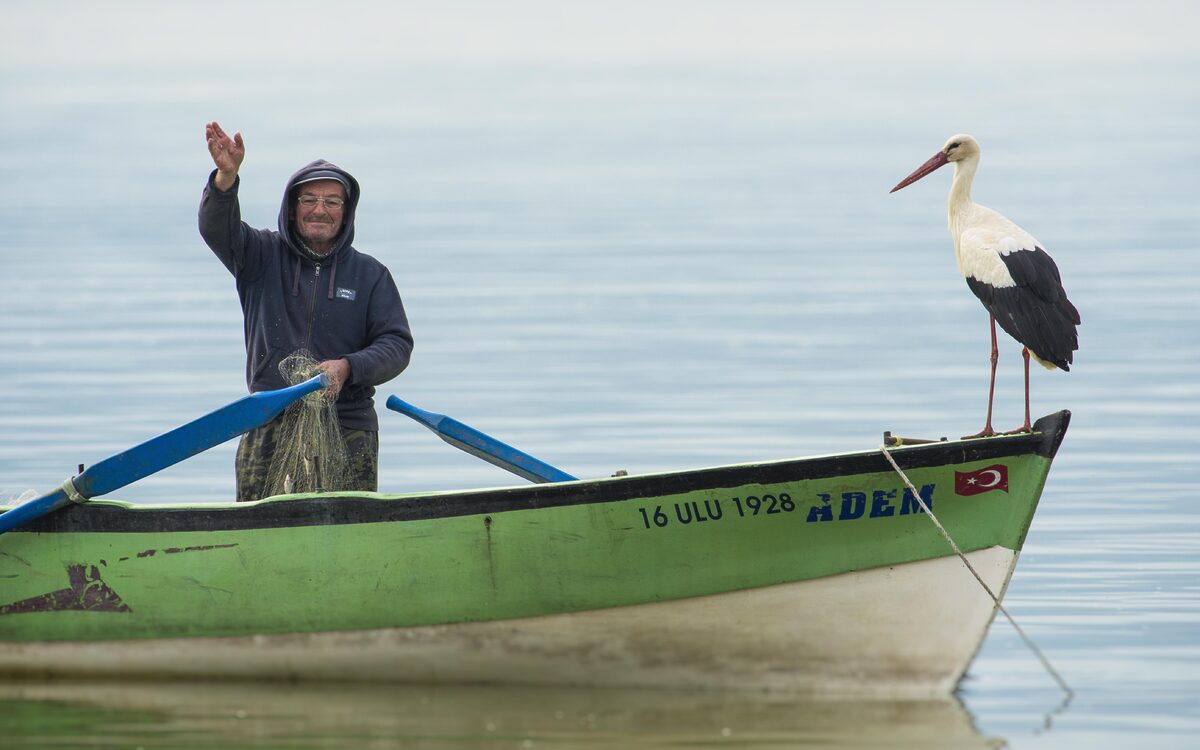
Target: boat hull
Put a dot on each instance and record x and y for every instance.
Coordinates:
(803, 574)
(855, 633)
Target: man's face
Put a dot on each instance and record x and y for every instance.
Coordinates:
(319, 223)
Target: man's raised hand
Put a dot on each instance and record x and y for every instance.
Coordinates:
(227, 153)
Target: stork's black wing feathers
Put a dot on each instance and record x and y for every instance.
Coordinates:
(1035, 312)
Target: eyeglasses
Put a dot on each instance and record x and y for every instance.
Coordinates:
(311, 201)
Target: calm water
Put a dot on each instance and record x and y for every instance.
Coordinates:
(636, 264)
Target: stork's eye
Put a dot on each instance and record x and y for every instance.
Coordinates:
(952, 146)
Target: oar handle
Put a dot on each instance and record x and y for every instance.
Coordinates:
(483, 446)
(36, 508)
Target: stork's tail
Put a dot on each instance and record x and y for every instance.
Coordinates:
(1050, 365)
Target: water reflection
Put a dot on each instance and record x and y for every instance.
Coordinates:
(152, 715)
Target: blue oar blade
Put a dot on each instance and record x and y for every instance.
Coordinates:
(480, 445)
(165, 450)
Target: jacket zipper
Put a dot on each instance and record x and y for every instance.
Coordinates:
(312, 307)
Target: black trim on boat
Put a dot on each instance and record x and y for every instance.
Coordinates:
(1047, 436)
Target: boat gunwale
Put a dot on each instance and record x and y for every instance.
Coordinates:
(359, 508)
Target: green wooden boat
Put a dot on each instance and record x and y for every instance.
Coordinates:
(819, 574)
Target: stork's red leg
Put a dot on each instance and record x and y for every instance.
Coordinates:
(987, 430)
(1027, 427)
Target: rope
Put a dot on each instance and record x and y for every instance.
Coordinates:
(946, 535)
(73, 494)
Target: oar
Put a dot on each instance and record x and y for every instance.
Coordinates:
(160, 452)
(478, 444)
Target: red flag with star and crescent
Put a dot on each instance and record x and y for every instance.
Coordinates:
(994, 477)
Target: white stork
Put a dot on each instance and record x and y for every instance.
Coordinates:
(1007, 269)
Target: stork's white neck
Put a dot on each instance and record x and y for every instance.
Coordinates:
(960, 188)
(959, 205)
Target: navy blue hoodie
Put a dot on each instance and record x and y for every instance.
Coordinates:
(344, 304)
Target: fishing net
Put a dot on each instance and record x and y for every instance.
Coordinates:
(310, 454)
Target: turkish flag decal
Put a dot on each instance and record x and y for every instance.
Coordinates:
(994, 477)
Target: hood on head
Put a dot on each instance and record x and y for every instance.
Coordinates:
(318, 170)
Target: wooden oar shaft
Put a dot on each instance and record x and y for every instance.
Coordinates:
(164, 450)
(26, 512)
(187, 440)
(480, 445)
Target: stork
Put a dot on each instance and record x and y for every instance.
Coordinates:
(1008, 270)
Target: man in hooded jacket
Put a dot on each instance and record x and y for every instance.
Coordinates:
(304, 286)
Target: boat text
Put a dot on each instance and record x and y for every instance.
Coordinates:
(849, 506)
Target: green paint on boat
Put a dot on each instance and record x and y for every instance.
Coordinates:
(345, 561)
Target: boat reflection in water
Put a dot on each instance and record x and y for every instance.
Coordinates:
(276, 715)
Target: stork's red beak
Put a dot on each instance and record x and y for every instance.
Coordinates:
(937, 160)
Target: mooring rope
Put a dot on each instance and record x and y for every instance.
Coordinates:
(946, 535)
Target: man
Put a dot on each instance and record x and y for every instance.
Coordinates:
(304, 286)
